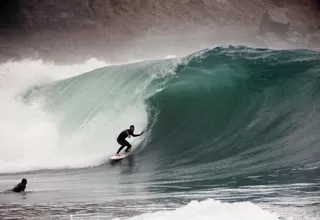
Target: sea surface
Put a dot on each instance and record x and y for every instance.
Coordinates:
(231, 132)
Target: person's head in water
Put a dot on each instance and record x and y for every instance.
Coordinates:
(132, 127)
(24, 181)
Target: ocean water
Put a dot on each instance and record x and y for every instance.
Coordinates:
(231, 133)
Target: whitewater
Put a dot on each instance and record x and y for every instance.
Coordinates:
(231, 133)
(29, 134)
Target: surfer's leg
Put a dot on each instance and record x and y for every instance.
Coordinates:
(128, 145)
(120, 149)
(122, 143)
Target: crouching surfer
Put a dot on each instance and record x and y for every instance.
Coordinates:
(122, 139)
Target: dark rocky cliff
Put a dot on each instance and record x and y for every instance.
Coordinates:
(74, 30)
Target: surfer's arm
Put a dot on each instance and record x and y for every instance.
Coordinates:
(136, 135)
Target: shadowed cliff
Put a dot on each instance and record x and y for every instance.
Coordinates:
(71, 31)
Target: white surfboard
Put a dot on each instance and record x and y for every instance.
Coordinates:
(121, 156)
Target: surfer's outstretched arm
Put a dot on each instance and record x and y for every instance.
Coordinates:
(129, 132)
(136, 135)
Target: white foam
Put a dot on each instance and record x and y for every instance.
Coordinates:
(29, 137)
(213, 210)
(33, 138)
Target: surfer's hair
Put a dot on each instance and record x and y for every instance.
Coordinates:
(131, 126)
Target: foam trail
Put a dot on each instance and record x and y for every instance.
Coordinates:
(212, 209)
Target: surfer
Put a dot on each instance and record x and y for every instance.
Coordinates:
(122, 138)
(21, 186)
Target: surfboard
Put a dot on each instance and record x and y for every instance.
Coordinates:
(121, 156)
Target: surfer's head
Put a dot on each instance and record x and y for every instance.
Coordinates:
(132, 127)
(24, 181)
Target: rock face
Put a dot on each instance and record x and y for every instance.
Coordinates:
(314, 41)
(74, 30)
(275, 21)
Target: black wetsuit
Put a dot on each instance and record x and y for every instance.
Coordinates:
(19, 187)
(122, 139)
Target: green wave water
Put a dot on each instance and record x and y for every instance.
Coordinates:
(221, 113)
(231, 113)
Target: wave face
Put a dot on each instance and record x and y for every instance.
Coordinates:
(219, 113)
(238, 112)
